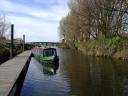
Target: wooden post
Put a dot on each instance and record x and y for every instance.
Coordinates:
(23, 42)
(12, 39)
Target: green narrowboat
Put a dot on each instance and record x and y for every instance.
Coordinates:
(46, 56)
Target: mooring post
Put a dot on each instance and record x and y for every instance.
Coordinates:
(12, 39)
(23, 42)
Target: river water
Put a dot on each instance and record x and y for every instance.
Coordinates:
(77, 75)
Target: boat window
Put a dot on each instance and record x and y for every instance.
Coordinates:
(49, 52)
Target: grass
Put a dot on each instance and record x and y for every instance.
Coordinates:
(106, 47)
(5, 50)
(110, 42)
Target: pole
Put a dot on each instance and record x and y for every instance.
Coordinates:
(12, 39)
(23, 42)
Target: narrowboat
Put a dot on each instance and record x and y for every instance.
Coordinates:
(46, 55)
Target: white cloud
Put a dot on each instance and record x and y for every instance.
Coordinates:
(42, 26)
(35, 30)
(56, 12)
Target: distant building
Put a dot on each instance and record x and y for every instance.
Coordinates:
(19, 40)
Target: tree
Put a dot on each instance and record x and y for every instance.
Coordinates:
(95, 19)
(4, 26)
(70, 28)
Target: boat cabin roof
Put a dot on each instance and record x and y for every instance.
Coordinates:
(49, 48)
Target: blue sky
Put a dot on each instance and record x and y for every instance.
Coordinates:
(37, 19)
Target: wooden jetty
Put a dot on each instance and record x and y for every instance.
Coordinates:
(10, 71)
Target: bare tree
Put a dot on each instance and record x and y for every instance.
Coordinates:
(3, 27)
(95, 18)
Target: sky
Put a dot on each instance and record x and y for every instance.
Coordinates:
(37, 19)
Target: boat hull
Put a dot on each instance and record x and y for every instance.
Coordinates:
(43, 60)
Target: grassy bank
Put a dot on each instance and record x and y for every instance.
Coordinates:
(5, 49)
(115, 47)
(4, 54)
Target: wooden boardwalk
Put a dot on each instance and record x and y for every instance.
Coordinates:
(10, 71)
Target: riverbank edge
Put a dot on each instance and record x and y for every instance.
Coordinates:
(122, 55)
(5, 49)
(111, 47)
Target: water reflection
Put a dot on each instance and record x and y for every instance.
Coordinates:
(50, 69)
(39, 84)
(90, 76)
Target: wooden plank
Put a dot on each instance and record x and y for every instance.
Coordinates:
(10, 71)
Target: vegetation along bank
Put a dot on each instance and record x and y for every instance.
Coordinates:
(97, 27)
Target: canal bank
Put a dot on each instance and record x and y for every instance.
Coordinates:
(17, 49)
(115, 47)
(4, 54)
(12, 74)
